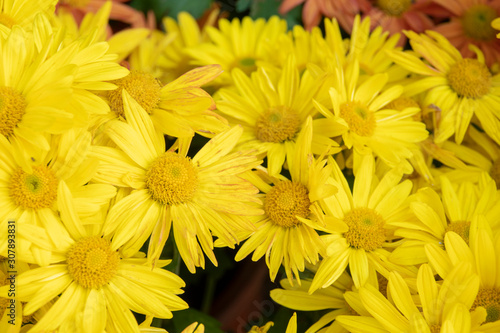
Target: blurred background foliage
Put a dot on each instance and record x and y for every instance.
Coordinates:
(233, 296)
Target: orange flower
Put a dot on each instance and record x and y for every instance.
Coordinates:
(343, 10)
(470, 23)
(119, 11)
(311, 14)
(398, 15)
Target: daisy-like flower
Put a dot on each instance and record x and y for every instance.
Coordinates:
(470, 23)
(398, 15)
(33, 187)
(481, 252)
(238, 44)
(344, 11)
(367, 215)
(460, 204)
(96, 287)
(179, 108)
(199, 196)
(459, 87)
(23, 12)
(272, 112)
(360, 114)
(288, 231)
(445, 307)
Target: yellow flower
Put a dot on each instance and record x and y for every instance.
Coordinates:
(201, 197)
(288, 231)
(368, 216)
(34, 187)
(445, 307)
(460, 87)
(272, 112)
(23, 12)
(361, 113)
(238, 44)
(96, 287)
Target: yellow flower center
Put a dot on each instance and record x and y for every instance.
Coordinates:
(401, 103)
(470, 78)
(359, 119)
(278, 124)
(394, 7)
(366, 229)
(91, 262)
(462, 228)
(143, 87)
(489, 298)
(7, 20)
(76, 3)
(477, 22)
(36, 190)
(436, 328)
(285, 201)
(172, 179)
(12, 109)
(495, 172)
(247, 65)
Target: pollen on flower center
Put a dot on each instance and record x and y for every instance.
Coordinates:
(477, 22)
(436, 328)
(489, 298)
(143, 87)
(359, 119)
(366, 229)
(394, 7)
(172, 179)
(91, 262)
(36, 190)
(495, 172)
(285, 201)
(12, 109)
(462, 228)
(278, 124)
(470, 78)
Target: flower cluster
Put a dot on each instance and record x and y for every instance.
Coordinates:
(365, 173)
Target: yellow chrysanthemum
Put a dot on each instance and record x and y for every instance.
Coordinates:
(96, 287)
(238, 44)
(287, 234)
(34, 187)
(460, 87)
(441, 307)
(368, 216)
(180, 108)
(272, 112)
(481, 252)
(460, 204)
(199, 196)
(362, 115)
(22, 12)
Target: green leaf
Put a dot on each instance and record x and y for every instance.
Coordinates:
(243, 5)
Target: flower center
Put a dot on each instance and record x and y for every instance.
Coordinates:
(359, 119)
(37, 190)
(436, 328)
(477, 22)
(394, 7)
(462, 228)
(495, 172)
(7, 20)
(366, 229)
(92, 263)
(470, 78)
(401, 103)
(172, 179)
(143, 87)
(278, 124)
(489, 298)
(12, 109)
(285, 201)
(247, 65)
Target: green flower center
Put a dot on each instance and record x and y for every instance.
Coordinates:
(477, 22)
(37, 190)
(359, 119)
(366, 229)
(489, 298)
